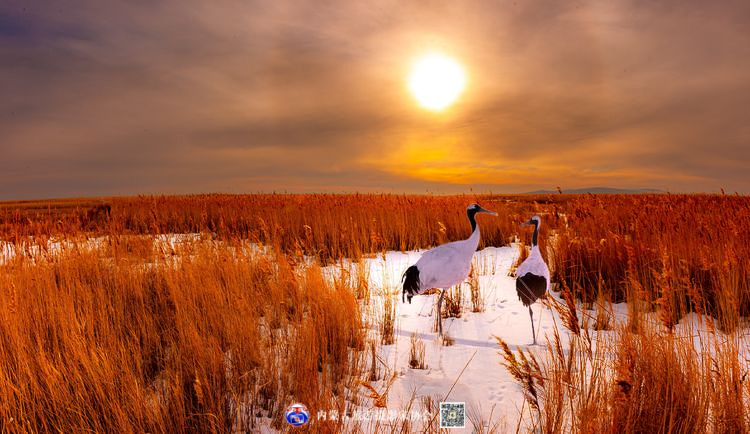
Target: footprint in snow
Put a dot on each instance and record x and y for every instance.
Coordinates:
(497, 396)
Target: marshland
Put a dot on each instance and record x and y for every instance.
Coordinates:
(374, 217)
(214, 313)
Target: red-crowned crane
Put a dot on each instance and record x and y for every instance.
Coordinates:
(444, 266)
(532, 276)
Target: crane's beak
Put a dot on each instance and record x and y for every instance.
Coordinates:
(528, 223)
(487, 211)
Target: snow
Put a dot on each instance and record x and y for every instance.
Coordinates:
(471, 369)
(472, 362)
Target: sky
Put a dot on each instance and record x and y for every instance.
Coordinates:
(101, 98)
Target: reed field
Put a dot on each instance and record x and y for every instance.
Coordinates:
(108, 341)
(325, 226)
(212, 313)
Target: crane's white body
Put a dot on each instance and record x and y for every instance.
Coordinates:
(447, 265)
(444, 266)
(535, 265)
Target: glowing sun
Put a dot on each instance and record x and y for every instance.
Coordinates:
(436, 81)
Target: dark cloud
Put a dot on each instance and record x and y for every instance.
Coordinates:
(127, 97)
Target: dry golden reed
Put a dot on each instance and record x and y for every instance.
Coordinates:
(416, 353)
(645, 380)
(477, 299)
(215, 342)
(208, 336)
(322, 225)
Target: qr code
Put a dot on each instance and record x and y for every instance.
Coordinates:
(452, 415)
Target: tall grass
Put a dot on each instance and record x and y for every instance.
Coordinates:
(416, 353)
(644, 380)
(210, 336)
(215, 342)
(666, 255)
(325, 226)
(684, 252)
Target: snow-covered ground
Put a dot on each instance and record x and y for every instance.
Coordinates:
(470, 370)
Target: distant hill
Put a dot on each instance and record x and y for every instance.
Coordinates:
(600, 190)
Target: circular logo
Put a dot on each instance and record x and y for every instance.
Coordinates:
(297, 414)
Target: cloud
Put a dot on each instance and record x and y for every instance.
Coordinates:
(176, 97)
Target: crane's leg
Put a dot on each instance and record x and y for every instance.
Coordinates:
(533, 333)
(440, 313)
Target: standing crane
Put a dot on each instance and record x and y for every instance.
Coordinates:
(444, 266)
(532, 276)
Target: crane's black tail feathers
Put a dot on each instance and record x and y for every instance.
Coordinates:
(530, 287)
(411, 283)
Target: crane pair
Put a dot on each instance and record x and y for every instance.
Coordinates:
(449, 264)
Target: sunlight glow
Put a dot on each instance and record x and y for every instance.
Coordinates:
(436, 81)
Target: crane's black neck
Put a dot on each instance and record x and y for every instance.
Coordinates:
(470, 213)
(535, 237)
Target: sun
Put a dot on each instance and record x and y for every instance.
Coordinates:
(436, 81)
